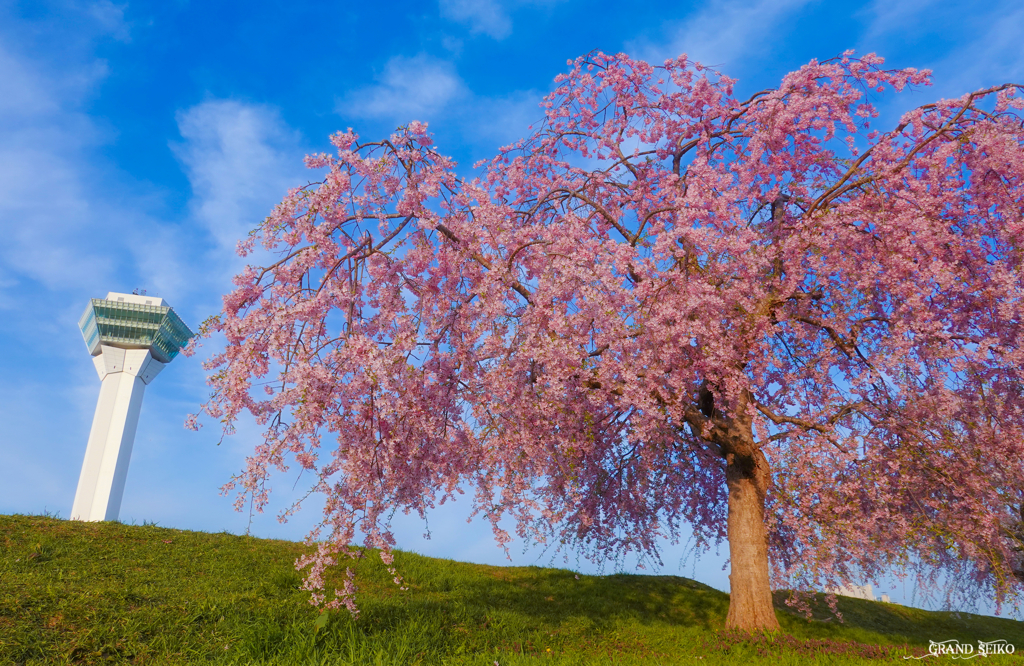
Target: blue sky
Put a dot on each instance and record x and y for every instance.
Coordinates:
(140, 141)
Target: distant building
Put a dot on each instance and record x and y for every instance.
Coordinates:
(856, 592)
(131, 337)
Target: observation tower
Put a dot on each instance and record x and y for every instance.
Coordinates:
(131, 338)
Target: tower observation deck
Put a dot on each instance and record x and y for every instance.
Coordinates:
(131, 338)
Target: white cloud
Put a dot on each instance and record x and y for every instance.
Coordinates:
(987, 50)
(110, 18)
(889, 17)
(25, 94)
(408, 89)
(997, 56)
(62, 229)
(71, 221)
(49, 222)
(430, 90)
(486, 17)
(721, 33)
(46, 216)
(241, 159)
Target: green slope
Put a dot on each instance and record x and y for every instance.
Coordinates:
(92, 593)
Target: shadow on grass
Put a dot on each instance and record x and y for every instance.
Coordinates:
(897, 622)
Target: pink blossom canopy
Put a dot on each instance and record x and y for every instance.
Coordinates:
(557, 334)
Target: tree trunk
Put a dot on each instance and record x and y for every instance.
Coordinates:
(750, 595)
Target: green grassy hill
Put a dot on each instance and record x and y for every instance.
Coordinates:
(94, 593)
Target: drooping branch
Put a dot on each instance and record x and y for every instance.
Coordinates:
(483, 261)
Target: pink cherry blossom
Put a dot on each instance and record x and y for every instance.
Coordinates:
(666, 309)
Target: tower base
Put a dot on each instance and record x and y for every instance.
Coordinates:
(125, 373)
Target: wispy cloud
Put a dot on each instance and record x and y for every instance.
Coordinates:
(997, 56)
(987, 50)
(721, 33)
(430, 90)
(61, 223)
(891, 18)
(486, 17)
(110, 18)
(44, 182)
(240, 160)
(26, 93)
(408, 89)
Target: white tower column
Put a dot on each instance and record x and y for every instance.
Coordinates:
(131, 337)
(124, 373)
